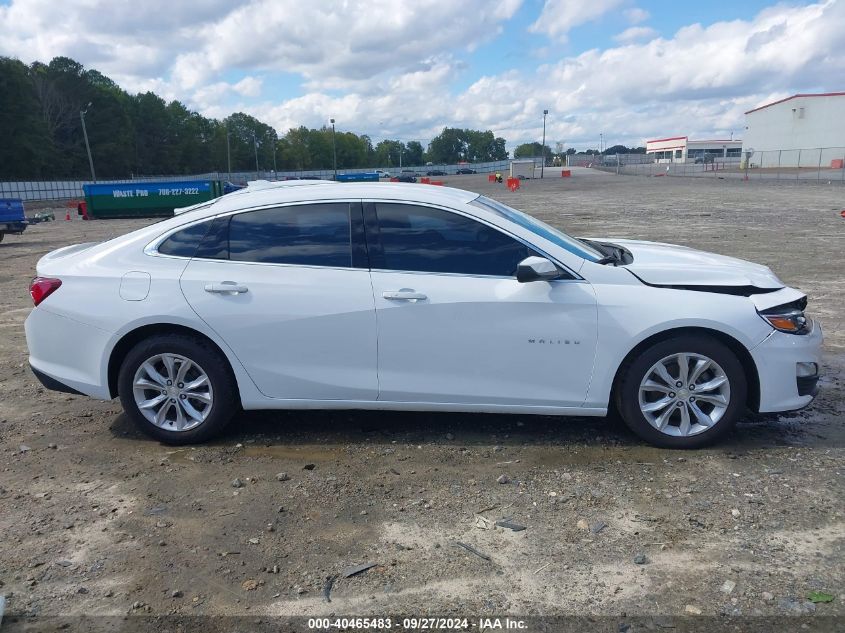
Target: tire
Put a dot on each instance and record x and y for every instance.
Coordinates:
(2, 235)
(211, 402)
(642, 391)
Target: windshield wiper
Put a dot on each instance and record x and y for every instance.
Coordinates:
(615, 258)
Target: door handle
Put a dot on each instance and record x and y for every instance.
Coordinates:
(405, 294)
(226, 288)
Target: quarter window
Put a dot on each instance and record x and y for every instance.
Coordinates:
(184, 243)
(424, 239)
(308, 235)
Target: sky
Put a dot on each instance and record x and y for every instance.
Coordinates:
(621, 70)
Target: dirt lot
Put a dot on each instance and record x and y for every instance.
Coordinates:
(97, 519)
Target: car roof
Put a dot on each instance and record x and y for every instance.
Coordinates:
(327, 191)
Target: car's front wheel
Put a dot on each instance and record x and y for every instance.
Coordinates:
(177, 389)
(683, 392)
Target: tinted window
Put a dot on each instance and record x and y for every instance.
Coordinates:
(310, 235)
(431, 240)
(215, 244)
(184, 243)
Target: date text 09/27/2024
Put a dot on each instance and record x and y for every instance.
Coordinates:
(416, 624)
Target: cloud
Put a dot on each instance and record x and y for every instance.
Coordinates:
(403, 74)
(193, 43)
(635, 33)
(248, 87)
(698, 82)
(636, 15)
(558, 17)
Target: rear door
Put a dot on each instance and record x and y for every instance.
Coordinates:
(289, 291)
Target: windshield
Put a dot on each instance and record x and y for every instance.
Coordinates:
(540, 228)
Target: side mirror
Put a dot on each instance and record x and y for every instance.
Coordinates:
(536, 269)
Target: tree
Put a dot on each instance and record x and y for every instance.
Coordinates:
(26, 148)
(454, 145)
(413, 153)
(142, 134)
(247, 137)
(387, 153)
(448, 147)
(530, 150)
(153, 151)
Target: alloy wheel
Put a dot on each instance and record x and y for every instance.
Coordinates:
(173, 392)
(684, 394)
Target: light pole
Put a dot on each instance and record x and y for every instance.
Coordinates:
(87, 146)
(601, 142)
(255, 147)
(543, 164)
(334, 150)
(275, 141)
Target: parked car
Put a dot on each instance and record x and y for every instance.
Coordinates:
(12, 218)
(384, 296)
(465, 170)
(435, 172)
(704, 160)
(382, 174)
(407, 175)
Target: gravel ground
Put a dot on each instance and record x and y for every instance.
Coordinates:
(99, 520)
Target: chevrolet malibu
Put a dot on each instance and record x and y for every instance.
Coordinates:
(413, 297)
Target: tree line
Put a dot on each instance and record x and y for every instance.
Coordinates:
(531, 150)
(41, 133)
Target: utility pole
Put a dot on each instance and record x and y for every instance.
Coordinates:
(334, 150)
(543, 164)
(274, 157)
(255, 147)
(87, 146)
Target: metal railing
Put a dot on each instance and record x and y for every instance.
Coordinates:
(44, 190)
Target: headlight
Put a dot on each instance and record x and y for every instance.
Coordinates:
(791, 321)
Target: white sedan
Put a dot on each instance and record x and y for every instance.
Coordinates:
(413, 297)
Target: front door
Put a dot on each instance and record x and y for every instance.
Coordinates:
(454, 324)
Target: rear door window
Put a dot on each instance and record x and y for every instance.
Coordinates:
(306, 235)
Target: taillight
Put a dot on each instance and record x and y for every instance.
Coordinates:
(43, 287)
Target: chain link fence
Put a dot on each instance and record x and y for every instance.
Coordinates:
(45, 190)
(820, 164)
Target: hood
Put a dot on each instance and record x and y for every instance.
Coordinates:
(669, 265)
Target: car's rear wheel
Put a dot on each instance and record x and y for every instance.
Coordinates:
(683, 392)
(177, 389)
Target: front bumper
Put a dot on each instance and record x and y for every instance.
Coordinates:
(777, 359)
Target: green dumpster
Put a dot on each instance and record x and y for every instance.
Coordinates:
(146, 199)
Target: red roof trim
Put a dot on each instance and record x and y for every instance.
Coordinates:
(819, 94)
(673, 138)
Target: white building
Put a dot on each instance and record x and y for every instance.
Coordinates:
(680, 149)
(806, 130)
